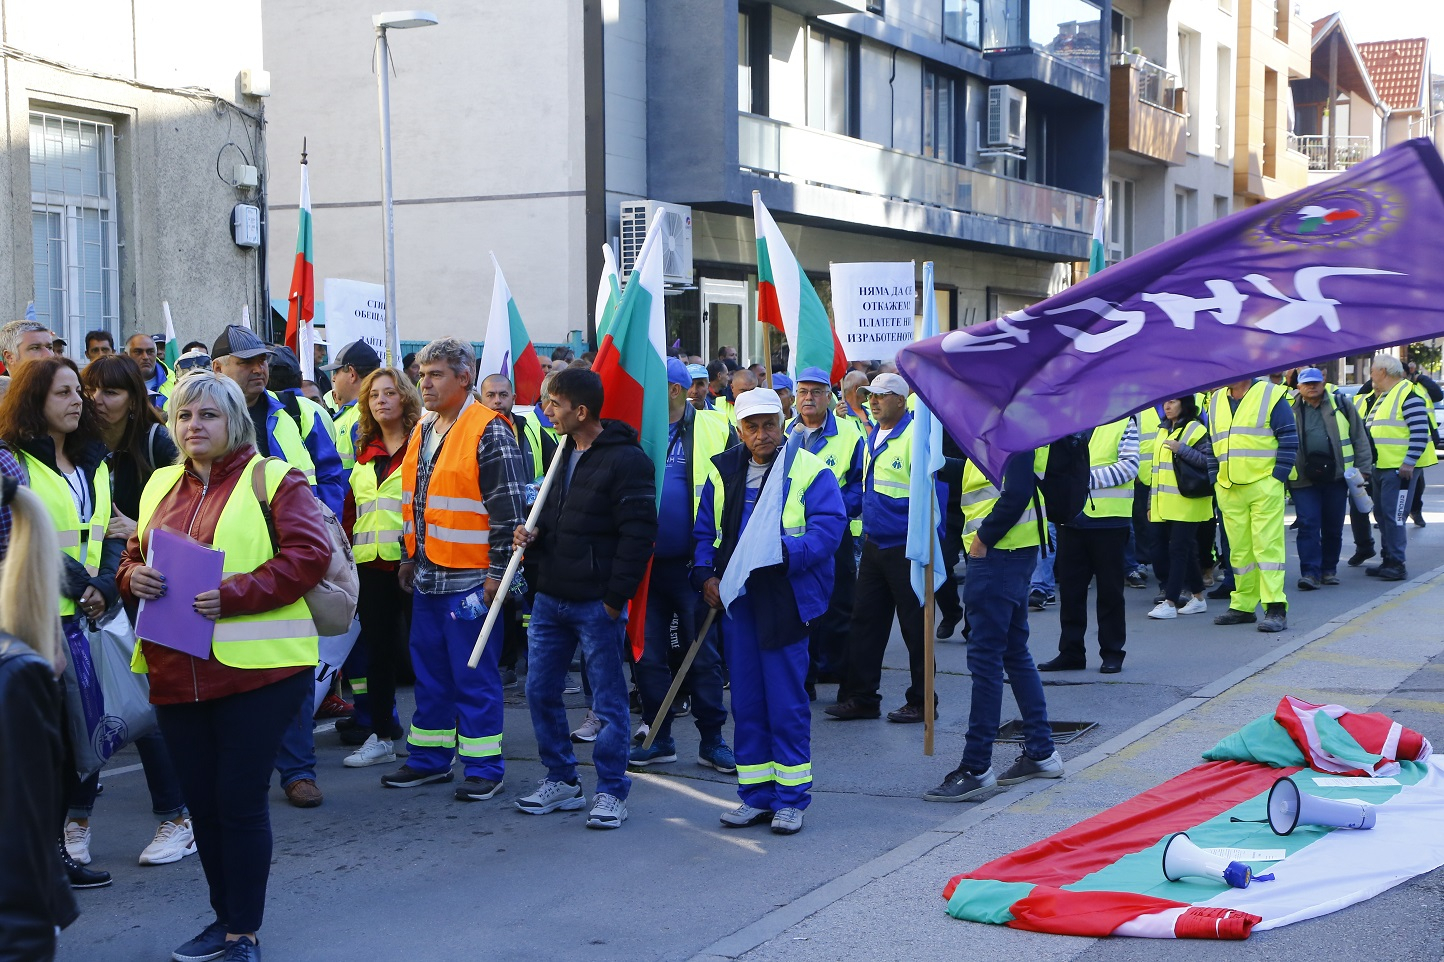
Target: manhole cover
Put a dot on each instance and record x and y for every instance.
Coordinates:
(1063, 731)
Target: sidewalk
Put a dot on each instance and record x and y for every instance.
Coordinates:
(1387, 654)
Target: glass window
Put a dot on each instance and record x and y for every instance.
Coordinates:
(941, 106)
(1067, 29)
(1120, 219)
(829, 82)
(74, 239)
(963, 21)
(744, 62)
(1002, 24)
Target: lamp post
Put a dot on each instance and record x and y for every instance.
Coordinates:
(395, 20)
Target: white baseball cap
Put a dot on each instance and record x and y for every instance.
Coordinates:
(885, 384)
(759, 400)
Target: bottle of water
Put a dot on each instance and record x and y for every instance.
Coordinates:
(473, 608)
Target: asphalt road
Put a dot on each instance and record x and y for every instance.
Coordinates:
(386, 874)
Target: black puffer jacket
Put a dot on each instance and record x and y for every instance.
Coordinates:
(35, 893)
(596, 534)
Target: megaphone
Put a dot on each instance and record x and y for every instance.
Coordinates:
(1182, 858)
(1289, 808)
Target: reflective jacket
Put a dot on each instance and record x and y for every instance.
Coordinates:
(457, 524)
(1243, 439)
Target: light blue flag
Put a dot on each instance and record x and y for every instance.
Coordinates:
(760, 543)
(927, 460)
(30, 311)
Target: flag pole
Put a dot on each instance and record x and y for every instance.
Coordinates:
(494, 610)
(677, 679)
(767, 354)
(930, 628)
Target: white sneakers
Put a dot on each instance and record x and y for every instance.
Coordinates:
(1195, 606)
(1163, 610)
(589, 729)
(375, 751)
(608, 811)
(77, 842)
(172, 843)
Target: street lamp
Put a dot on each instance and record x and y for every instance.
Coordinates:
(395, 20)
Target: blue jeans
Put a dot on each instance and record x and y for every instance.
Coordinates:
(1321, 509)
(557, 627)
(296, 758)
(996, 598)
(1386, 487)
(160, 777)
(1043, 579)
(670, 593)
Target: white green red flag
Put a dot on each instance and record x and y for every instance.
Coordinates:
(508, 349)
(171, 352)
(787, 301)
(632, 363)
(302, 301)
(1097, 252)
(1104, 875)
(609, 292)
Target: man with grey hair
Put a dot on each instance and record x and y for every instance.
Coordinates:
(24, 340)
(1399, 426)
(463, 486)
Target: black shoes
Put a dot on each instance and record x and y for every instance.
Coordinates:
(1391, 573)
(948, 626)
(1110, 668)
(852, 710)
(1062, 664)
(1235, 617)
(80, 876)
(1223, 590)
(1275, 618)
(906, 715)
(1360, 556)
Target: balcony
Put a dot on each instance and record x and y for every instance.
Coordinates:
(815, 158)
(1146, 117)
(1348, 151)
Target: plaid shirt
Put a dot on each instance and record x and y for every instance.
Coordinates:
(10, 467)
(501, 474)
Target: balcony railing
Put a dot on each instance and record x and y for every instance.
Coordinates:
(1348, 150)
(1155, 85)
(806, 155)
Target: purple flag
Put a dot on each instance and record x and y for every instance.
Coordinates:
(1340, 268)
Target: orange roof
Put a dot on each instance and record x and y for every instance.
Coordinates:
(1397, 68)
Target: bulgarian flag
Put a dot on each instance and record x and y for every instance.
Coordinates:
(302, 306)
(609, 292)
(171, 351)
(508, 349)
(1097, 252)
(632, 363)
(787, 301)
(1104, 875)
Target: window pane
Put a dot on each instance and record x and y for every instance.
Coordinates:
(816, 79)
(1002, 24)
(945, 119)
(1069, 30)
(930, 80)
(963, 21)
(49, 253)
(837, 86)
(744, 63)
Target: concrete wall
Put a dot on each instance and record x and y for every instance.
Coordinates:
(173, 211)
(487, 128)
(625, 62)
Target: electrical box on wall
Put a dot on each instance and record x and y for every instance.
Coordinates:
(246, 225)
(246, 176)
(256, 83)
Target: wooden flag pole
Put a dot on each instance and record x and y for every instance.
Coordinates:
(930, 630)
(494, 610)
(677, 680)
(767, 354)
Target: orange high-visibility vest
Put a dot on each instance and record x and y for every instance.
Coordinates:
(458, 530)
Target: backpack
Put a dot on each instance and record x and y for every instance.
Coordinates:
(1063, 486)
(333, 601)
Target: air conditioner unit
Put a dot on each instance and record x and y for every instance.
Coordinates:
(1007, 117)
(676, 226)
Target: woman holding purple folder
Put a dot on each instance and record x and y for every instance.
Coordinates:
(223, 715)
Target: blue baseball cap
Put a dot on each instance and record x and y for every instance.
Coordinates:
(677, 373)
(698, 372)
(814, 374)
(781, 382)
(1311, 375)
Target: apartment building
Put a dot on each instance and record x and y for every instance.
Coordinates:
(1274, 45)
(1340, 116)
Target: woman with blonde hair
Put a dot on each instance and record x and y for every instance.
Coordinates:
(223, 716)
(388, 407)
(35, 897)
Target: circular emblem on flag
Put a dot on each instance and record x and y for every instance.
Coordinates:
(1347, 217)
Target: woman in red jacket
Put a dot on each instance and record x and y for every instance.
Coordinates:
(223, 716)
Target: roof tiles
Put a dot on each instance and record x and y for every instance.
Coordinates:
(1397, 68)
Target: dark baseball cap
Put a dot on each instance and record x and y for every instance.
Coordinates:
(357, 354)
(284, 359)
(240, 342)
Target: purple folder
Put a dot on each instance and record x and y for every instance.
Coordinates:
(189, 568)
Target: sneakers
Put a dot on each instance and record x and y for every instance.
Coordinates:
(408, 777)
(1275, 618)
(1195, 606)
(1360, 556)
(1329, 578)
(1163, 611)
(640, 735)
(717, 756)
(787, 821)
(661, 753)
(210, 944)
(852, 709)
(172, 843)
(1037, 600)
(1025, 768)
(589, 729)
(551, 796)
(508, 678)
(243, 949)
(77, 842)
(1392, 572)
(1136, 579)
(303, 793)
(375, 751)
(571, 686)
(351, 733)
(477, 789)
(961, 785)
(334, 706)
(744, 815)
(1308, 583)
(608, 811)
(1235, 617)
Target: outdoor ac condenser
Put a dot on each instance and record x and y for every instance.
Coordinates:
(676, 225)
(1007, 117)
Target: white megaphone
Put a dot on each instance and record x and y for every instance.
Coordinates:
(1289, 808)
(1182, 858)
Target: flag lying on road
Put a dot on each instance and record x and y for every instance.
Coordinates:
(1339, 268)
(924, 514)
(508, 349)
(787, 301)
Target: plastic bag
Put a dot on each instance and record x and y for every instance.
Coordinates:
(108, 705)
(334, 650)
